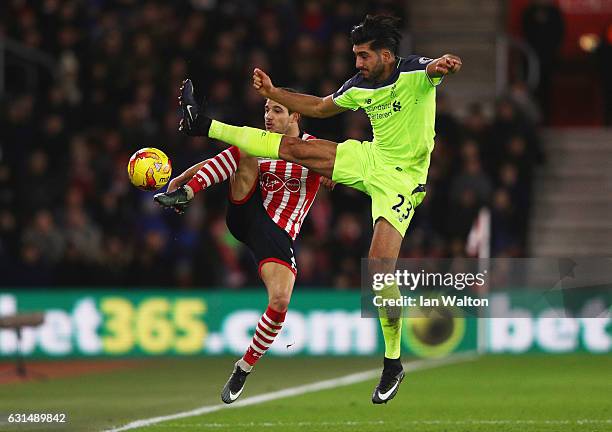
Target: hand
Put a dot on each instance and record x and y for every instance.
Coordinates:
(328, 183)
(262, 83)
(451, 62)
(447, 64)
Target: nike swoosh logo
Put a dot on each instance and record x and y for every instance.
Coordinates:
(189, 111)
(384, 396)
(235, 396)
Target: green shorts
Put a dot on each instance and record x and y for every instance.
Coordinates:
(394, 192)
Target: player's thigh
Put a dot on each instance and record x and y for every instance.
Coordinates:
(353, 163)
(244, 180)
(273, 252)
(317, 155)
(279, 281)
(395, 197)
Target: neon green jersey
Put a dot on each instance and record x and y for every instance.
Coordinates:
(402, 112)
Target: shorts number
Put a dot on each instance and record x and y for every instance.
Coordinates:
(398, 207)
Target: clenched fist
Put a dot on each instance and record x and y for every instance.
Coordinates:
(447, 64)
(262, 83)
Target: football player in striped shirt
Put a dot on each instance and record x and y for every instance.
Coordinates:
(268, 202)
(399, 96)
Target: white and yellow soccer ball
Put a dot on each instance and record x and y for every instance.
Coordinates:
(149, 169)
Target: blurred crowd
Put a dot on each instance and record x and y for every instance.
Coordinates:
(69, 217)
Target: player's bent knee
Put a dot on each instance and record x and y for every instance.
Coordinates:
(280, 302)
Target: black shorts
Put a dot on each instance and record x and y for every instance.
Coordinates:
(249, 222)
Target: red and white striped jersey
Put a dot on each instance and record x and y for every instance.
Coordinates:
(287, 190)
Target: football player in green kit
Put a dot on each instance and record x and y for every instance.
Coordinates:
(399, 96)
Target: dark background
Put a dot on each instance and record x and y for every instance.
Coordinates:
(68, 215)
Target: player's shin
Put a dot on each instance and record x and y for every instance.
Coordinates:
(391, 322)
(269, 325)
(256, 142)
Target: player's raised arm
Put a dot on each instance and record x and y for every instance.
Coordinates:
(447, 64)
(308, 105)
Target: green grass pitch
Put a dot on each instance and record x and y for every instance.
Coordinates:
(491, 393)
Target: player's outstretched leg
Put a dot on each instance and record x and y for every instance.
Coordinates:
(208, 173)
(195, 122)
(317, 155)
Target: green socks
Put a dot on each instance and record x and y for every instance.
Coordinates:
(392, 332)
(391, 322)
(256, 142)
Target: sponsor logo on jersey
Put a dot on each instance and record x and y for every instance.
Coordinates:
(272, 183)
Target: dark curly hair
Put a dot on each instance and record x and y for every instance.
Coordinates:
(381, 30)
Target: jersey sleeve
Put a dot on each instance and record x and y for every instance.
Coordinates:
(342, 96)
(416, 63)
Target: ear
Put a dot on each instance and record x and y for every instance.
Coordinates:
(295, 117)
(387, 56)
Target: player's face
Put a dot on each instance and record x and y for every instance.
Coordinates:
(277, 117)
(368, 61)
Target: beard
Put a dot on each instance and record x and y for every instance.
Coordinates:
(376, 72)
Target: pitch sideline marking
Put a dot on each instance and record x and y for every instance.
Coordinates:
(298, 390)
(579, 422)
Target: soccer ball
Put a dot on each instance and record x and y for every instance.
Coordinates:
(149, 169)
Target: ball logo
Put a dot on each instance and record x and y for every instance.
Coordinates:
(273, 183)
